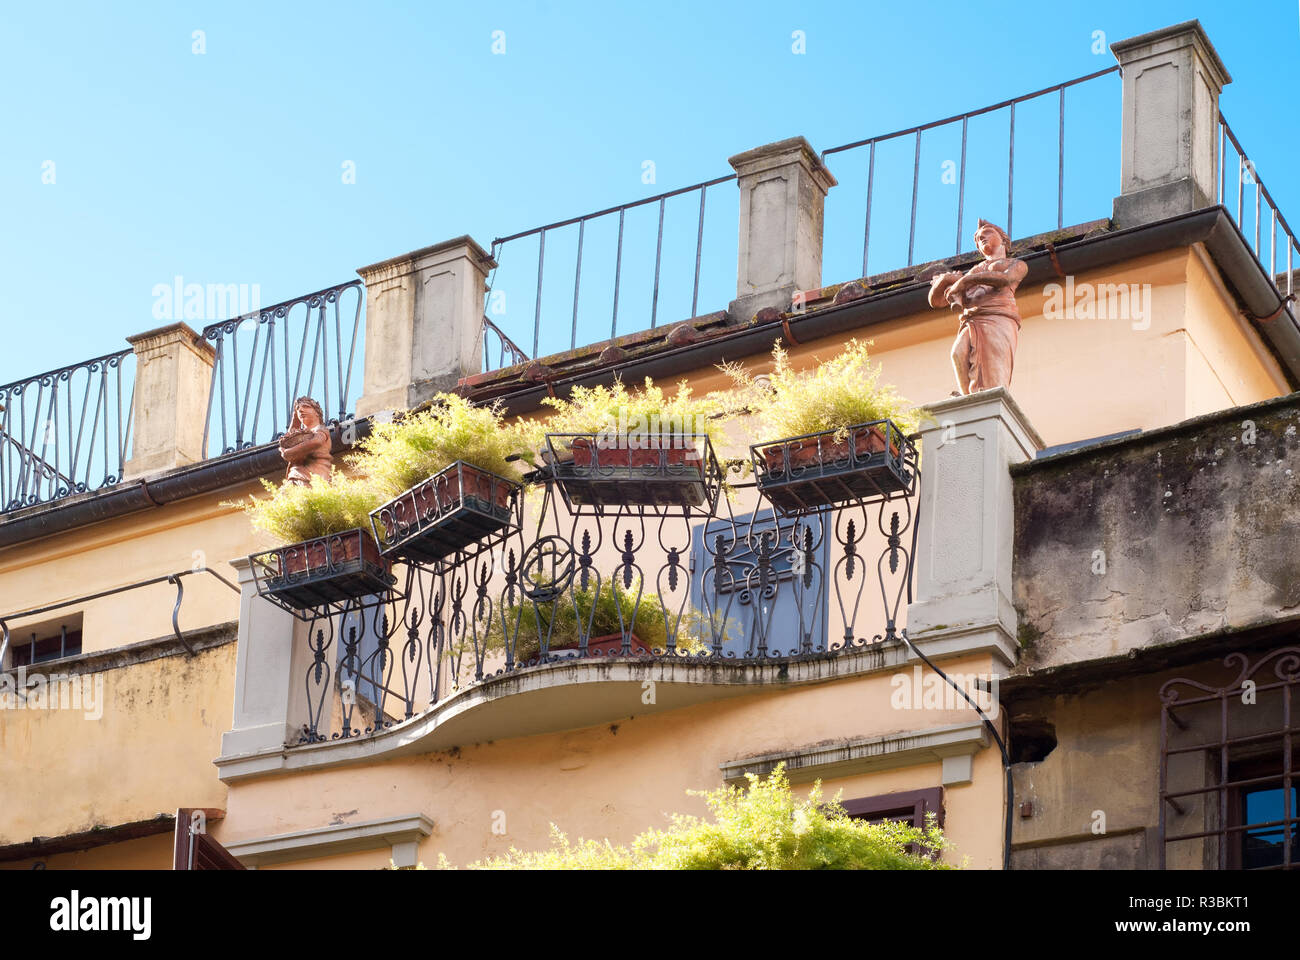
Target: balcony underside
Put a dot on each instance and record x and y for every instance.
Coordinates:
(565, 696)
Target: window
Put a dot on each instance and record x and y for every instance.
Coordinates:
(1230, 768)
(38, 643)
(910, 807)
(1260, 818)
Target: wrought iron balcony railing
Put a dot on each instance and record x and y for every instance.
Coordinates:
(615, 557)
(308, 345)
(66, 431)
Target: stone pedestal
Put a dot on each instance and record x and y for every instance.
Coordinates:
(783, 189)
(271, 667)
(963, 598)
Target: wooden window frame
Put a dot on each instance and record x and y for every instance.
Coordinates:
(912, 804)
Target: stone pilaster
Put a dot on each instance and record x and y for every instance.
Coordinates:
(963, 598)
(173, 376)
(1170, 124)
(424, 323)
(271, 667)
(783, 189)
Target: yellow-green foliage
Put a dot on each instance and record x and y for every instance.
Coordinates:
(574, 609)
(296, 512)
(763, 828)
(398, 455)
(835, 395)
(646, 409)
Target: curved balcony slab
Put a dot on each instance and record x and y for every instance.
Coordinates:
(565, 695)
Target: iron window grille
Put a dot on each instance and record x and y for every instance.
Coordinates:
(1228, 772)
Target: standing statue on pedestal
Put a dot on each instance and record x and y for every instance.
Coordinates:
(985, 349)
(305, 446)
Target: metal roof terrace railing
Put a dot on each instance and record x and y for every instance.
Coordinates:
(1047, 97)
(291, 352)
(588, 277)
(603, 219)
(1248, 176)
(66, 431)
(69, 431)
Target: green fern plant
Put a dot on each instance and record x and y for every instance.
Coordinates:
(413, 447)
(836, 394)
(573, 611)
(646, 411)
(296, 512)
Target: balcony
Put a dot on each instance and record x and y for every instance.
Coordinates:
(606, 568)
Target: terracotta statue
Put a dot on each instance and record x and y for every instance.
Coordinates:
(985, 349)
(305, 446)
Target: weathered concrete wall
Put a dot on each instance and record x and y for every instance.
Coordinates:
(1094, 799)
(141, 746)
(1181, 532)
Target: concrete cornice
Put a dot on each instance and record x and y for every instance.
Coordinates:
(154, 341)
(336, 838)
(408, 263)
(975, 406)
(1188, 33)
(863, 755)
(782, 153)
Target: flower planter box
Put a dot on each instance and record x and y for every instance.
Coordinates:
(333, 569)
(801, 475)
(591, 473)
(823, 449)
(610, 645)
(459, 509)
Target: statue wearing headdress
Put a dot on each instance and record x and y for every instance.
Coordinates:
(305, 446)
(985, 349)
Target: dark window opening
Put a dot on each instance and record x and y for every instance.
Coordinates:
(43, 645)
(1261, 817)
(910, 807)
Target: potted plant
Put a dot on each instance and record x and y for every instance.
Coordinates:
(615, 447)
(842, 434)
(596, 612)
(448, 475)
(329, 554)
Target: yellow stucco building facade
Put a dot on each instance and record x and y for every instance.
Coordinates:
(193, 700)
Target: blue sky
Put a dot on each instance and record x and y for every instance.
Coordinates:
(226, 166)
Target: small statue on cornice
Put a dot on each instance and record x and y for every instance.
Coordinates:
(985, 350)
(305, 446)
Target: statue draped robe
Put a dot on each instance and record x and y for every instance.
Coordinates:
(308, 457)
(984, 352)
